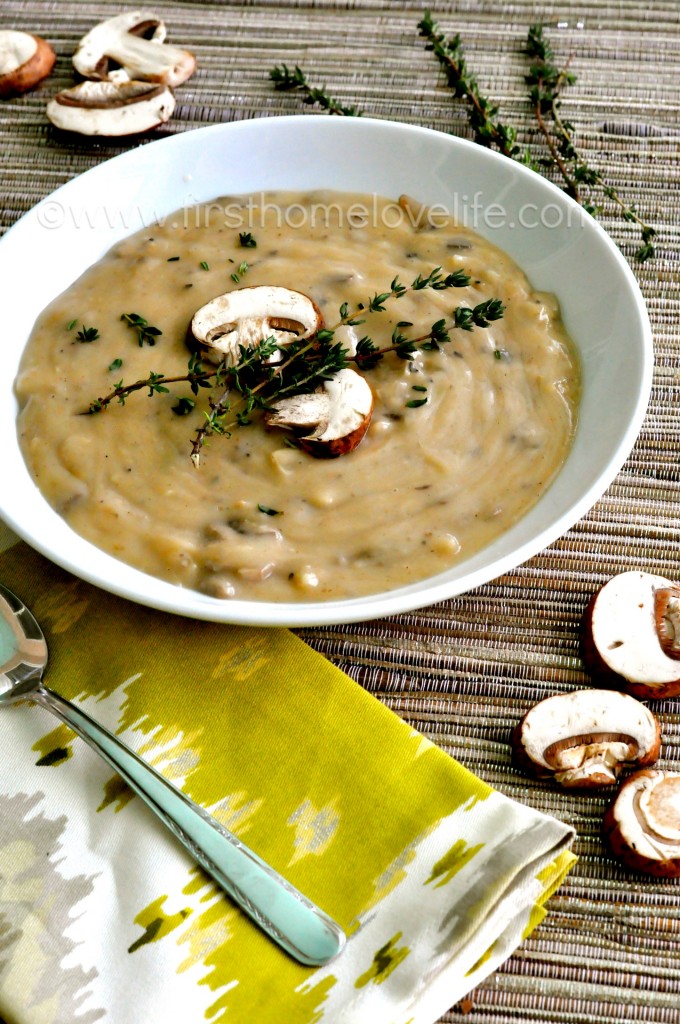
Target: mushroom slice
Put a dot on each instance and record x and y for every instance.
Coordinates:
(667, 619)
(246, 316)
(642, 826)
(337, 414)
(111, 108)
(25, 60)
(584, 738)
(631, 635)
(133, 42)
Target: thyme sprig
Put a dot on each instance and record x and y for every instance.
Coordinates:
(286, 80)
(488, 129)
(257, 381)
(546, 80)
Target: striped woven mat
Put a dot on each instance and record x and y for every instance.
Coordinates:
(464, 671)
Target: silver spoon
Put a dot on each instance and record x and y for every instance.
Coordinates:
(287, 916)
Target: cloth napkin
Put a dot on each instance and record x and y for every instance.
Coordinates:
(104, 916)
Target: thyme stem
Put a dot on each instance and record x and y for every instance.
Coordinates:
(286, 80)
(546, 81)
(572, 188)
(483, 115)
(121, 391)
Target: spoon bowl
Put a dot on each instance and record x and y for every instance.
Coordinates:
(23, 649)
(281, 911)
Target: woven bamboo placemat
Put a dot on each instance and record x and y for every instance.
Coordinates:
(464, 671)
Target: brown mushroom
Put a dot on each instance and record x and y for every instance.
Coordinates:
(330, 421)
(642, 826)
(246, 316)
(584, 738)
(25, 60)
(133, 43)
(631, 635)
(667, 619)
(111, 108)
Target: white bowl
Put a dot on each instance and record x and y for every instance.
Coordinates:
(562, 249)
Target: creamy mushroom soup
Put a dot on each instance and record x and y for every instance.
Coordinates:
(463, 440)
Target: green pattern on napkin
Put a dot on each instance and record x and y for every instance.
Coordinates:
(423, 864)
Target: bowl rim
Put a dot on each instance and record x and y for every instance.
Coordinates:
(169, 597)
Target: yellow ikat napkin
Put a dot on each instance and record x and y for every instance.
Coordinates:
(104, 917)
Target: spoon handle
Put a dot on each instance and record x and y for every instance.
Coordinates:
(288, 917)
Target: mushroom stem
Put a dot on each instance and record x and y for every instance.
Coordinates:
(132, 44)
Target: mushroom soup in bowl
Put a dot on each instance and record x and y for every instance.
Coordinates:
(480, 448)
(468, 426)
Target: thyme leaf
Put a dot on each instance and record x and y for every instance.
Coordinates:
(240, 272)
(146, 335)
(87, 334)
(184, 406)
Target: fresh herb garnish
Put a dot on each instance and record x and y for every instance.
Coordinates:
(87, 334)
(254, 382)
(184, 406)
(203, 265)
(480, 315)
(71, 324)
(115, 365)
(269, 511)
(172, 259)
(286, 81)
(156, 384)
(239, 272)
(246, 240)
(146, 335)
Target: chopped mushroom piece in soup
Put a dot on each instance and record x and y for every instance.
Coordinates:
(463, 438)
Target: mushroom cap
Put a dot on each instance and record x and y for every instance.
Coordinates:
(585, 737)
(111, 108)
(642, 826)
(336, 415)
(246, 316)
(622, 636)
(133, 41)
(25, 60)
